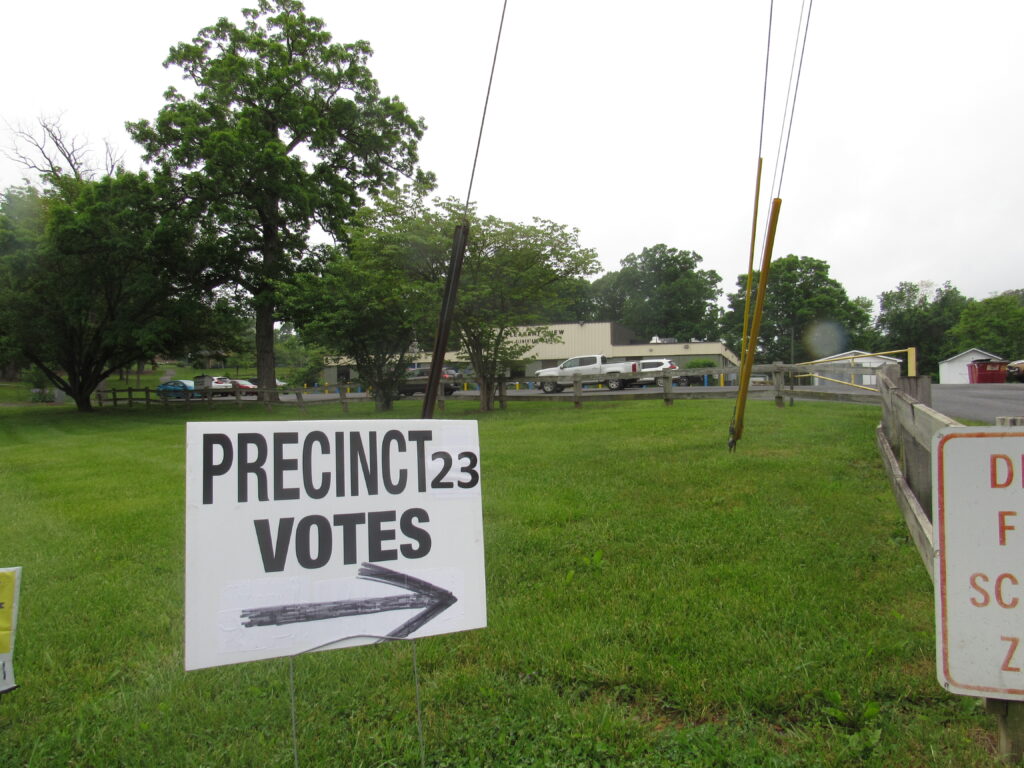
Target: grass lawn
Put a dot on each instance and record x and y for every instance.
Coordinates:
(652, 601)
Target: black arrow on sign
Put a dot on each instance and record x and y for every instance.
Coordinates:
(422, 594)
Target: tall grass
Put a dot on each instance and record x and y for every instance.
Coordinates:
(652, 601)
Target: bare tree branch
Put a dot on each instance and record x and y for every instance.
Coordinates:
(113, 159)
(52, 153)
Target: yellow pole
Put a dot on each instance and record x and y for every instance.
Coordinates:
(912, 361)
(755, 328)
(744, 340)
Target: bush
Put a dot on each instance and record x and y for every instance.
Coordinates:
(39, 385)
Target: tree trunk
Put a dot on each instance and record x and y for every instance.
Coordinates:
(382, 400)
(266, 372)
(265, 301)
(83, 401)
(486, 393)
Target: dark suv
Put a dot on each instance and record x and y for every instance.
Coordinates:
(416, 380)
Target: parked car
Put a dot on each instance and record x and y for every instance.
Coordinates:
(277, 383)
(656, 366)
(177, 388)
(561, 376)
(1015, 371)
(247, 387)
(416, 380)
(221, 385)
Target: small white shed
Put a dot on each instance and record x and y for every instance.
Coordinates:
(859, 359)
(954, 369)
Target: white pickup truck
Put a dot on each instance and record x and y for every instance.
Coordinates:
(562, 375)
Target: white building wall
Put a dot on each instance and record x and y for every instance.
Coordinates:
(613, 341)
(604, 339)
(954, 369)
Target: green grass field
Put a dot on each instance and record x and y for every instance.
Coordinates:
(652, 601)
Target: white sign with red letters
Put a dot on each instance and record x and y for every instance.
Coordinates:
(978, 518)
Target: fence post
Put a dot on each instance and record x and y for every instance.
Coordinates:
(298, 398)
(780, 401)
(1010, 726)
(577, 391)
(666, 387)
(341, 398)
(439, 400)
(129, 397)
(918, 387)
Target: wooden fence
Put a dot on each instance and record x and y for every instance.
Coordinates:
(904, 439)
(146, 397)
(779, 382)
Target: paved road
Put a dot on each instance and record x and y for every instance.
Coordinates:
(978, 402)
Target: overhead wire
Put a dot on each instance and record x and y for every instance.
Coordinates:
(744, 339)
(459, 240)
(752, 319)
(487, 101)
(796, 91)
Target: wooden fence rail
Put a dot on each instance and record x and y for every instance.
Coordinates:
(779, 381)
(904, 439)
(147, 396)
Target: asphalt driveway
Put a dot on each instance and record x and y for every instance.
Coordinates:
(978, 402)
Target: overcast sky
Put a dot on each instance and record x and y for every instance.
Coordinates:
(638, 123)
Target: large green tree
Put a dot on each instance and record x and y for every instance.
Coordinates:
(807, 313)
(662, 291)
(995, 324)
(607, 298)
(366, 309)
(382, 293)
(280, 130)
(95, 276)
(513, 275)
(376, 300)
(920, 315)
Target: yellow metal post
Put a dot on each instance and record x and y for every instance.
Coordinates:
(755, 326)
(912, 361)
(744, 339)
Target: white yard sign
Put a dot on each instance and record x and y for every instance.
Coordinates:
(312, 535)
(978, 514)
(10, 586)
